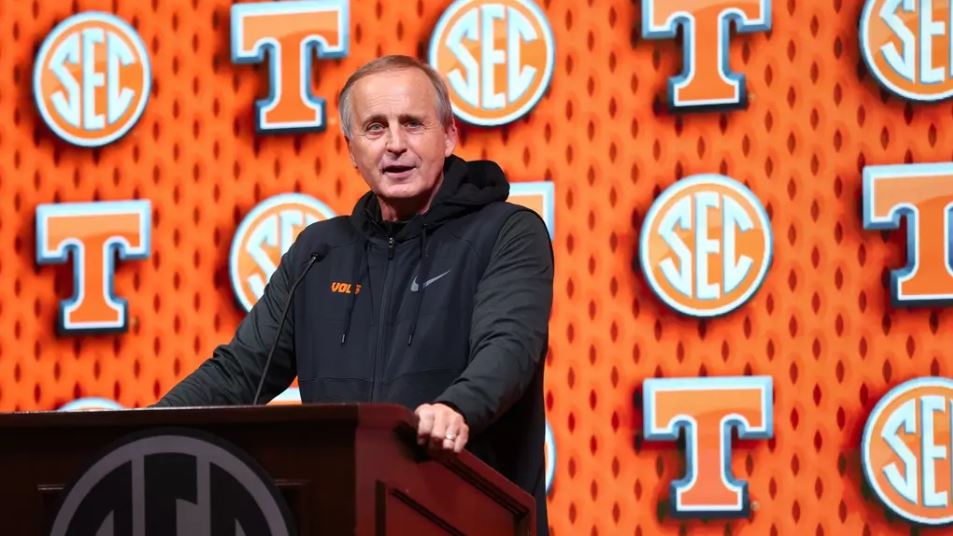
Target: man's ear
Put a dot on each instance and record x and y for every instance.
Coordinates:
(451, 142)
(350, 153)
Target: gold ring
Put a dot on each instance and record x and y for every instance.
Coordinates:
(451, 436)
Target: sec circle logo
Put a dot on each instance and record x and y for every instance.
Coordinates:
(265, 234)
(908, 47)
(706, 245)
(173, 481)
(907, 448)
(91, 403)
(549, 456)
(497, 56)
(91, 79)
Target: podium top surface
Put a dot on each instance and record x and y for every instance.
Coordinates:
(373, 415)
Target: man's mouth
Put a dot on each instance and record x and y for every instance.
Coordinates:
(398, 171)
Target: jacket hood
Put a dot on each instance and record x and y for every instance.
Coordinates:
(466, 187)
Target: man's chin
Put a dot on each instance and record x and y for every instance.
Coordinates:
(401, 189)
(400, 194)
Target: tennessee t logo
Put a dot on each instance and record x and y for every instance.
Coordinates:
(707, 409)
(706, 80)
(94, 233)
(923, 193)
(291, 32)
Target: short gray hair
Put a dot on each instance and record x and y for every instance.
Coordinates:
(395, 63)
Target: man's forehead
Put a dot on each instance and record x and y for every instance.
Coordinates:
(407, 89)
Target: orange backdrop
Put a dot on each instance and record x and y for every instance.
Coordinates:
(821, 325)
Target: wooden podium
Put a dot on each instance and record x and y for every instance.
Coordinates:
(341, 469)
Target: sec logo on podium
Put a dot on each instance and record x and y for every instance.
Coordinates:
(706, 245)
(497, 57)
(173, 481)
(91, 79)
(264, 236)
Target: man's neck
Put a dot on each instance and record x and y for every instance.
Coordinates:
(400, 209)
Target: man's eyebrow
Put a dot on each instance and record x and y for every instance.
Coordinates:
(402, 118)
(378, 118)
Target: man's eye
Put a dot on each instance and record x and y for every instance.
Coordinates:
(414, 124)
(374, 127)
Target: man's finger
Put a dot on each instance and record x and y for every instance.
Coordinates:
(425, 425)
(439, 431)
(461, 441)
(453, 432)
(456, 430)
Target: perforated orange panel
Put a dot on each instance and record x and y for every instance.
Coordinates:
(821, 325)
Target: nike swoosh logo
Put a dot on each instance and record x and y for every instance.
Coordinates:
(414, 287)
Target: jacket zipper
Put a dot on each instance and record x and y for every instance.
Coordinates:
(381, 329)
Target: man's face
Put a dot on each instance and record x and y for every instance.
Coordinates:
(397, 141)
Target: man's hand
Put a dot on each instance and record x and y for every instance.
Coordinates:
(441, 428)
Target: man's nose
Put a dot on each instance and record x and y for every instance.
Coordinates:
(395, 139)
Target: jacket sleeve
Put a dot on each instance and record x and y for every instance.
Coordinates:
(231, 375)
(509, 329)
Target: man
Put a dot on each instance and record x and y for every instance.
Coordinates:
(449, 298)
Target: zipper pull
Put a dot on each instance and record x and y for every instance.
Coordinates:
(390, 247)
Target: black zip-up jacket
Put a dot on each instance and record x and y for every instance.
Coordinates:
(451, 306)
